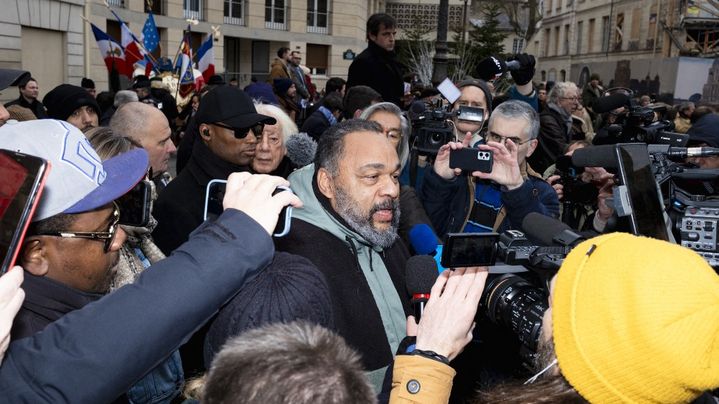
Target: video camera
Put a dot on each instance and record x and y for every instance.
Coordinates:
(433, 129)
(637, 124)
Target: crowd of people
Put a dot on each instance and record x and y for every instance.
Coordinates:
(176, 307)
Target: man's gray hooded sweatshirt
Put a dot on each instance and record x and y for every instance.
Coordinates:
(367, 283)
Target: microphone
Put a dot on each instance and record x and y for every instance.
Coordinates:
(421, 273)
(548, 231)
(610, 103)
(685, 152)
(492, 68)
(301, 149)
(425, 242)
(595, 156)
(423, 239)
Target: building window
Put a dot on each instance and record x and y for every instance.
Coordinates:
(261, 59)
(605, 34)
(590, 35)
(232, 56)
(318, 59)
(556, 40)
(193, 9)
(517, 45)
(275, 12)
(156, 6)
(235, 12)
(547, 34)
(318, 16)
(619, 28)
(563, 75)
(116, 3)
(580, 26)
(566, 40)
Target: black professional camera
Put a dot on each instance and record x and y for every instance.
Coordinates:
(638, 124)
(431, 129)
(575, 190)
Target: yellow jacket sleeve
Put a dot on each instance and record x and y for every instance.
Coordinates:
(420, 380)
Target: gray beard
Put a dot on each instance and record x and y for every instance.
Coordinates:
(362, 223)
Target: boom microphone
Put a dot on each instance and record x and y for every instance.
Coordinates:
(421, 275)
(301, 149)
(548, 231)
(610, 103)
(595, 156)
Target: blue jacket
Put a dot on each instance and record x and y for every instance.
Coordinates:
(448, 203)
(94, 354)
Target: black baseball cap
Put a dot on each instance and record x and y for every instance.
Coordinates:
(12, 77)
(230, 106)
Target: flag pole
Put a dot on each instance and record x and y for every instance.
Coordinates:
(113, 69)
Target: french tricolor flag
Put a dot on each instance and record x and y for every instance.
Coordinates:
(133, 53)
(206, 59)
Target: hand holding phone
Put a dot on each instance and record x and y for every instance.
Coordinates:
(471, 159)
(259, 196)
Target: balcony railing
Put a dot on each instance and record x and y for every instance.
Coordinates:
(276, 18)
(192, 9)
(318, 22)
(235, 12)
(116, 3)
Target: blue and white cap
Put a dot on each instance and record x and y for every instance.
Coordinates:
(79, 181)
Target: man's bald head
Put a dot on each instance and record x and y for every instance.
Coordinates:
(148, 126)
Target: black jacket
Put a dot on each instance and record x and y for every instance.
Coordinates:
(554, 136)
(379, 69)
(179, 208)
(36, 107)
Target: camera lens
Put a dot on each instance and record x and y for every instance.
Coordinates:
(515, 303)
(437, 138)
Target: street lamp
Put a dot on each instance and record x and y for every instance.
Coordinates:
(439, 71)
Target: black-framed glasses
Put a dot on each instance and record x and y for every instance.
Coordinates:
(241, 133)
(105, 236)
(493, 137)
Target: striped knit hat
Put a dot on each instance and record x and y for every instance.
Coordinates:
(636, 320)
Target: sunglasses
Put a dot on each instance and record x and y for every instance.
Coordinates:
(241, 133)
(105, 236)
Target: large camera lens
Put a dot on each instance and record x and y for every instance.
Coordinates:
(437, 138)
(515, 303)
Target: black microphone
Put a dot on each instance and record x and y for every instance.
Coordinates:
(421, 275)
(492, 68)
(595, 156)
(610, 103)
(548, 231)
(301, 149)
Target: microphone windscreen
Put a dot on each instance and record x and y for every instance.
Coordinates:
(542, 229)
(610, 103)
(490, 67)
(423, 239)
(595, 156)
(301, 149)
(421, 274)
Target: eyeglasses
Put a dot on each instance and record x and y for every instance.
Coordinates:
(106, 236)
(493, 137)
(241, 133)
(570, 98)
(393, 134)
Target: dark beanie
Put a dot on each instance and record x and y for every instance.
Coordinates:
(290, 288)
(64, 99)
(87, 83)
(282, 85)
(482, 85)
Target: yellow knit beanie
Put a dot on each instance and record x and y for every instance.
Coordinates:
(636, 320)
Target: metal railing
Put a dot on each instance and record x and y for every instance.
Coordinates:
(275, 20)
(116, 3)
(192, 9)
(231, 15)
(314, 19)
